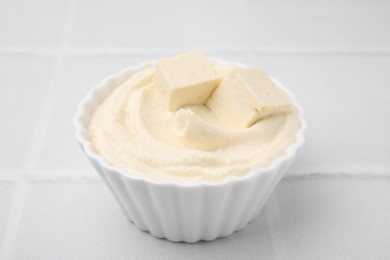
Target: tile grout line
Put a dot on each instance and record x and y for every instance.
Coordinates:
(85, 176)
(14, 217)
(247, 50)
(244, 29)
(43, 120)
(22, 186)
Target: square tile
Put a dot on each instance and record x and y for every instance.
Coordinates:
(66, 221)
(329, 25)
(28, 24)
(331, 218)
(24, 90)
(155, 26)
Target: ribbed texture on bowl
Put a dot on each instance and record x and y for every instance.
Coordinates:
(176, 211)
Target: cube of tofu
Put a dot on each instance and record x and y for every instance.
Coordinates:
(186, 79)
(245, 96)
(223, 70)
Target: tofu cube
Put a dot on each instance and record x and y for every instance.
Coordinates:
(245, 96)
(186, 79)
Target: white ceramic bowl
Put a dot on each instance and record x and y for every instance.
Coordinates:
(177, 211)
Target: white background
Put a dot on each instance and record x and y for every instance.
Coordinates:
(334, 202)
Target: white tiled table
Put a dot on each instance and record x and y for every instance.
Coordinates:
(334, 202)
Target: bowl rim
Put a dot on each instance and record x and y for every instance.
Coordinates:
(88, 149)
